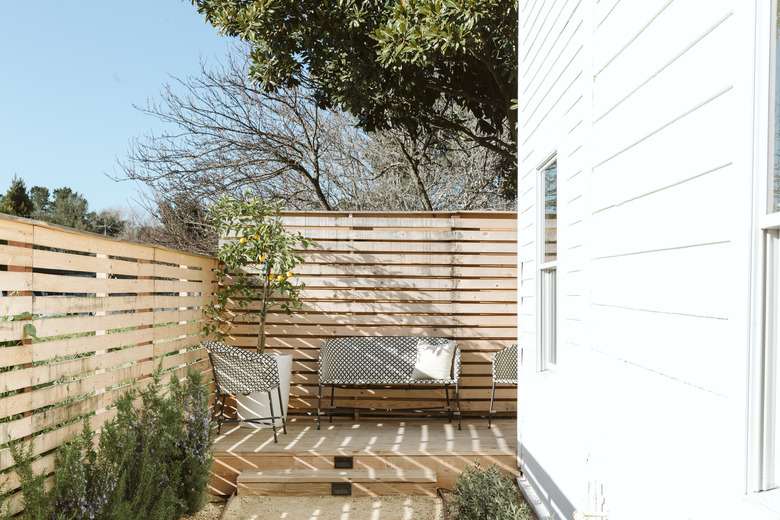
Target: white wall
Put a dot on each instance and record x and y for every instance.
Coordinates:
(648, 105)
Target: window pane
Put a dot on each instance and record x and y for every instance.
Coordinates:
(549, 341)
(775, 188)
(551, 212)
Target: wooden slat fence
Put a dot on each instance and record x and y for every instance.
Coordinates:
(106, 312)
(416, 274)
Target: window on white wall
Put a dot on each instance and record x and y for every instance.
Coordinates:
(548, 264)
(764, 439)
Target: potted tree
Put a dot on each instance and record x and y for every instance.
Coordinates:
(258, 257)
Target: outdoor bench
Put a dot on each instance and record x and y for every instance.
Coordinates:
(389, 360)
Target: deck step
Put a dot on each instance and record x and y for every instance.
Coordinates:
(311, 482)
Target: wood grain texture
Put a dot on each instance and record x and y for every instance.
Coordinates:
(106, 314)
(392, 448)
(410, 274)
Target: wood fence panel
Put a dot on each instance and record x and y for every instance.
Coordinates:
(400, 274)
(106, 314)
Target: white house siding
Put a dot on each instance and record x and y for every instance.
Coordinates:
(648, 106)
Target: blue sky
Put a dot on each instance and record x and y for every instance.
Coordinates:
(70, 73)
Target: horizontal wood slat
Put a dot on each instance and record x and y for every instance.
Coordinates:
(404, 221)
(107, 313)
(401, 274)
(484, 258)
(402, 235)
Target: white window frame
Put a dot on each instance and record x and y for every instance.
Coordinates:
(546, 281)
(763, 437)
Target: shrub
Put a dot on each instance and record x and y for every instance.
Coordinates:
(35, 500)
(83, 482)
(154, 462)
(488, 494)
(195, 446)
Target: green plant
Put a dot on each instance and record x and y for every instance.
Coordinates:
(6, 511)
(195, 446)
(161, 451)
(28, 330)
(153, 461)
(488, 494)
(261, 245)
(35, 500)
(84, 481)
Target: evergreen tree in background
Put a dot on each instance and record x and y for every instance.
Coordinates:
(16, 201)
(66, 208)
(41, 202)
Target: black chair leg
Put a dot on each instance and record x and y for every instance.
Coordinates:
(281, 412)
(319, 406)
(490, 411)
(221, 414)
(273, 419)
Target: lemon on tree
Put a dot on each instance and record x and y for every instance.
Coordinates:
(246, 267)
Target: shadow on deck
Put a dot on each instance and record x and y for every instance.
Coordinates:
(388, 456)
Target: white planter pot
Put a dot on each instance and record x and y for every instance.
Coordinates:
(256, 404)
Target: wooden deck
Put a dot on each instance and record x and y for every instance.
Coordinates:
(409, 450)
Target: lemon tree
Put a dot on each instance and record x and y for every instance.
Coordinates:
(258, 257)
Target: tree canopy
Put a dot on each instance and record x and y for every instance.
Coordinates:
(390, 63)
(66, 208)
(16, 201)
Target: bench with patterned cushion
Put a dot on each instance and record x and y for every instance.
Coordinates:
(389, 360)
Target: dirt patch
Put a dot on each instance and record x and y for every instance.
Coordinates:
(334, 508)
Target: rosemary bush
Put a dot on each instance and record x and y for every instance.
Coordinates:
(153, 462)
(488, 494)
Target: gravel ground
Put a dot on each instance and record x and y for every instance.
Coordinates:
(210, 512)
(325, 508)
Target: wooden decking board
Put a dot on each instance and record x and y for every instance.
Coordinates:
(336, 475)
(373, 436)
(324, 489)
(391, 445)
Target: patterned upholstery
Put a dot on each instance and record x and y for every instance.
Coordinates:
(238, 371)
(377, 360)
(504, 371)
(386, 360)
(505, 365)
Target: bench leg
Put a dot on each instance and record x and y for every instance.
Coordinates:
(449, 409)
(332, 391)
(457, 398)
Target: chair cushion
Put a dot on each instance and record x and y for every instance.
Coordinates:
(433, 361)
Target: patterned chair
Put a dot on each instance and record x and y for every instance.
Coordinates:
(504, 371)
(238, 371)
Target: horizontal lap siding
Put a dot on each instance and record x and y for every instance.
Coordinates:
(652, 191)
(667, 203)
(555, 82)
(405, 274)
(106, 313)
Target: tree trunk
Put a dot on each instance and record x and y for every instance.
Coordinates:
(263, 316)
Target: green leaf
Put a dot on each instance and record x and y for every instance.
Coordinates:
(29, 331)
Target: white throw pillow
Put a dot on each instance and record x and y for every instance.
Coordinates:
(433, 361)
